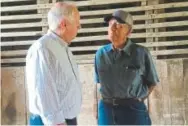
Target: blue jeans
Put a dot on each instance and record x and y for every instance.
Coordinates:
(36, 120)
(130, 114)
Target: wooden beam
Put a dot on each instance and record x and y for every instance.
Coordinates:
(16, 34)
(159, 34)
(23, 17)
(90, 57)
(23, 25)
(78, 4)
(16, 43)
(13, 53)
(103, 2)
(134, 9)
(6, 1)
(23, 60)
(101, 29)
(101, 20)
(162, 15)
(170, 52)
(13, 60)
(164, 43)
(101, 37)
(96, 2)
(85, 48)
(93, 48)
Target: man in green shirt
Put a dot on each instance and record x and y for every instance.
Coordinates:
(126, 73)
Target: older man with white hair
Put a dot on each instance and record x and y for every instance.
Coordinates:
(53, 82)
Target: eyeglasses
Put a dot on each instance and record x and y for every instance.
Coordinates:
(116, 25)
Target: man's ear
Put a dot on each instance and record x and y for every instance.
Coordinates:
(63, 25)
(129, 32)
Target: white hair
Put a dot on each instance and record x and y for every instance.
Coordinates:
(58, 13)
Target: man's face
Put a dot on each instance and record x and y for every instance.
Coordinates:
(117, 32)
(73, 26)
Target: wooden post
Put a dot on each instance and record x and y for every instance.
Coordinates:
(156, 104)
(150, 39)
(43, 11)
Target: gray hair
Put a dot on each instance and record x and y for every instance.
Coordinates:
(58, 13)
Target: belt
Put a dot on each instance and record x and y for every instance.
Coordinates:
(116, 101)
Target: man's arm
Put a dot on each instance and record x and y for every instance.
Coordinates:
(96, 94)
(41, 73)
(150, 89)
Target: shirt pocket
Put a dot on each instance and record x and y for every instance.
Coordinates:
(129, 73)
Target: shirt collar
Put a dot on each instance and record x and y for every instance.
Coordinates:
(126, 48)
(57, 38)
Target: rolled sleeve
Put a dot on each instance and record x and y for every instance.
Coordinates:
(150, 70)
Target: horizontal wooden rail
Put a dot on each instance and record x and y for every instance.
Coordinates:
(101, 29)
(97, 2)
(90, 57)
(100, 37)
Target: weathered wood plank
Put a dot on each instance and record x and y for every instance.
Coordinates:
(23, 60)
(96, 2)
(185, 90)
(165, 43)
(99, 37)
(91, 56)
(13, 107)
(23, 17)
(14, 53)
(159, 98)
(6, 1)
(133, 9)
(16, 43)
(86, 76)
(162, 15)
(100, 20)
(169, 52)
(176, 91)
(16, 34)
(24, 25)
(101, 29)
(160, 52)
(80, 3)
(161, 25)
(14, 60)
(149, 44)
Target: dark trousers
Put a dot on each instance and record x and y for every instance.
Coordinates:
(129, 114)
(36, 120)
